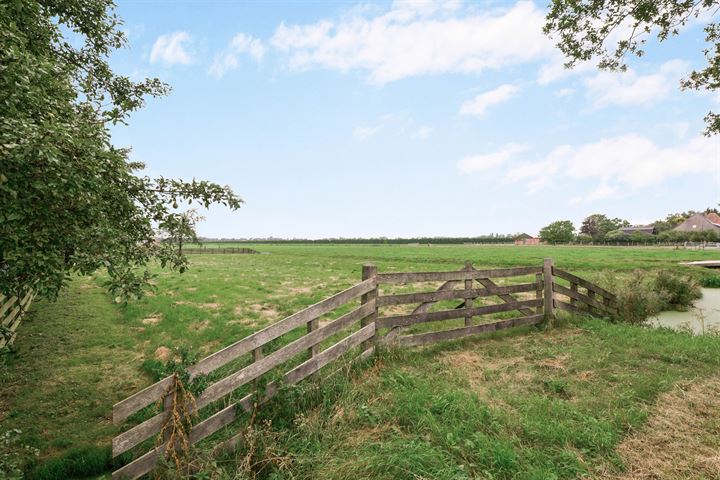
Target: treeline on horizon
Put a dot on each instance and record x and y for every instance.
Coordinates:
(595, 229)
(492, 239)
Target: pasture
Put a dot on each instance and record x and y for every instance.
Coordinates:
(535, 403)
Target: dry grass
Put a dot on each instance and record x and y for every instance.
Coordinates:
(681, 439)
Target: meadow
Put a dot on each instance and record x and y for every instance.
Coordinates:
(536, 403)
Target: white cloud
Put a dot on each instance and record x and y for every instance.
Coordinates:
(564, 92)
(487, 161)
(478, 105)
(423, 132)
(629, 88)
(619, 165)
(363, 133)
(229, 59)
(170, 50)
(555, 70)
(418, 38)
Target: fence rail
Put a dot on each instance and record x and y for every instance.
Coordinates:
(361, 325)
(12, 310)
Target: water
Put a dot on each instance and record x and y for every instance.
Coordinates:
(704, 317)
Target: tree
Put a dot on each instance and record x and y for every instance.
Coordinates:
(71, 202)
(561, 231)
(179, 229)
(597, 225)
(609, 30)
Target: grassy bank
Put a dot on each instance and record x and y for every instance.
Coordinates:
(77, 357)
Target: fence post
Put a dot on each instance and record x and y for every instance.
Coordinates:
(468, 287)
(539, 291)
(369, 271)
(548, 300)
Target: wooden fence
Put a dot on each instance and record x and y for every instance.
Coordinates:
(305, 343)
(12, 311)
(218, 250)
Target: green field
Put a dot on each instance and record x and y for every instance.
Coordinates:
(527, 404)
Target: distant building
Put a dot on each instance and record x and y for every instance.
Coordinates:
(700, 223)
(647, 229)
(525, 239)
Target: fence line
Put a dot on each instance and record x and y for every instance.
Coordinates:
(12, 311)
(218, 250)
(361, 326)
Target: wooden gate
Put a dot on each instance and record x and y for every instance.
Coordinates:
(301, 344)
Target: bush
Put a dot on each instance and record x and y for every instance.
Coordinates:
(678, 291)
(711, 281)
(637, 300)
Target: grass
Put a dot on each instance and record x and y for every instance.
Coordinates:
(77, 357)
(517, 405)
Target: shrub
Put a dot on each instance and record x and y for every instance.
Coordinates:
(678, 291)
(637, 300)
(711, 281)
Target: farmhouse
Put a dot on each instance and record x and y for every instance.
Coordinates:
(525, 239)
(699, 223)
(649, 229)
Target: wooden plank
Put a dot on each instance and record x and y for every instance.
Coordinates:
(405, 320)
(468, 300)
(410, 277)
(6, 306)
(583, 283)
(538, 291)
(487, 283)
(448, 294)
(139, 433)
(574, 288)
(369, 272)
(153, 393)
(431, 337)
(548, 289)
(590, 302)
(559, 304)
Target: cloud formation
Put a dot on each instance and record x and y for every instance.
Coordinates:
(624, 163)
(478, 105)
(418, 38)
(628, 88)
(229, 59)
(169, 49)
(487, 161)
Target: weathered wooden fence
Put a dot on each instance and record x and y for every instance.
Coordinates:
(12, 311)
(305, 344)
(218, 250)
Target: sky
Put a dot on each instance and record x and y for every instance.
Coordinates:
(417, 118)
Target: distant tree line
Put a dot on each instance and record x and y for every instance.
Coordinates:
(598, 228)
(492, 238)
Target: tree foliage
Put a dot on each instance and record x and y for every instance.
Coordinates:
(561, 231)
(71, 202)
(609, 30)
(597, 225)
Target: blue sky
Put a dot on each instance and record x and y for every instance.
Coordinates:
(410, 118)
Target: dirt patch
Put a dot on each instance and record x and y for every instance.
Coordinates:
(210, 306)
(681, 438)
(296, 290)
(199, 326)
(153, 319)
(481, 371)
(163, 354)
(264, 310)
(191, 289)
(555, 363)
